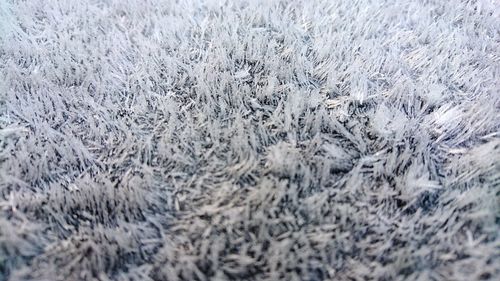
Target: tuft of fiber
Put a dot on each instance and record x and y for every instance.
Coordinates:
(249, 140)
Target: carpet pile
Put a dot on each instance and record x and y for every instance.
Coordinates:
(249, 140)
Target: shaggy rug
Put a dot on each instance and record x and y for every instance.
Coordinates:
(249, 140)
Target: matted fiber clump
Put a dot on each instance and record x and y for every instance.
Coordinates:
(249, 140)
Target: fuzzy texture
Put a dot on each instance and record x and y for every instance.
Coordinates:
(257, 140)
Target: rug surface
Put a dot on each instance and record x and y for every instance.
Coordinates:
(249, 140)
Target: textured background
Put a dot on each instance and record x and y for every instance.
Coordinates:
(258, 140)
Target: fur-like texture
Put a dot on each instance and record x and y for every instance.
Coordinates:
(257, 140)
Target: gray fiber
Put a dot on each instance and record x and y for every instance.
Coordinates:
(149, 140)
